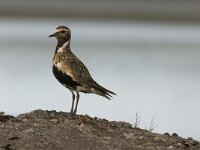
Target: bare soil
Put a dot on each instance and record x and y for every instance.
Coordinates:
(51, 130)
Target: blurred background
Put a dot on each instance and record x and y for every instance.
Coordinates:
(146, 51)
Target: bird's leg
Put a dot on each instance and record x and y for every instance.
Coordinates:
(77, 100)
(73, 99)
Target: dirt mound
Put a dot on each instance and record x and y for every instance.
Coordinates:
(42, 130)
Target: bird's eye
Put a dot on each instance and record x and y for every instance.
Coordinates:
(63, 31)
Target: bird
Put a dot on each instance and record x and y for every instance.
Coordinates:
(70, 71)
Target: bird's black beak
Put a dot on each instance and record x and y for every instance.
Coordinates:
(52, 35)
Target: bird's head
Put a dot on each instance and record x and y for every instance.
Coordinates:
(62, 34)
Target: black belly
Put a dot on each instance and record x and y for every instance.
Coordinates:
(64, 79)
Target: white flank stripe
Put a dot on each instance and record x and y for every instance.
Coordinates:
(59, 66)
(79, 89)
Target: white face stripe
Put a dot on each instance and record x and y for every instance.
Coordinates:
(58, 30)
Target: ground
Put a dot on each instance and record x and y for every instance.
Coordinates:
(51, 130)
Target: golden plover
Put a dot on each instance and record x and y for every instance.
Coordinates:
(71, 72)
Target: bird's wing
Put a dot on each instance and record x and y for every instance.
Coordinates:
(77, 70)
(79, 73)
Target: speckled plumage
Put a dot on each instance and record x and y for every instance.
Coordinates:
(71, 72)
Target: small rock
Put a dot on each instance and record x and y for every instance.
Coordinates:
(83, 128)
(170, 147)
(113, 125)
(157, 147)
(129, 135)
(66, 121)
(24, 119)
(174, 134)
(124, 124)
(194, 143)
(52, 114)
(7, 147)
(191, 143)
(156, 138)
(2, 113)
(14, 138)
(160, 139)
(166, 134)
(139, 147)
(58, 142)
(179, 145)
(186, 144)
(5, 118)
(141, 137)
(104, 120)
(30, 130)
(189, 138)
(107, 138)
(54, 120)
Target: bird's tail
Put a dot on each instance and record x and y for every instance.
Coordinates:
(98, 89)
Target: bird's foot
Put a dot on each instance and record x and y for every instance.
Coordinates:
(72, 113)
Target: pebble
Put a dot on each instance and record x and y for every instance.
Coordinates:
(24, 119)
(107, 138)
(190, 142)
(129, 135)
(175, 134)
(30, 130)
(82, 126)
(159, 139)
(179, 145)
(189, 138)
(141, 137)
(54, 120)
(170, 147)
(166, 134)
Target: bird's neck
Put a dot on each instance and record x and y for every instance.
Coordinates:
(62, 46)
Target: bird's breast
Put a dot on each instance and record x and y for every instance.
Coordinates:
(56, 58)
(64, 78)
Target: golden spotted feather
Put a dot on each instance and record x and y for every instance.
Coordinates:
(69, 64)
